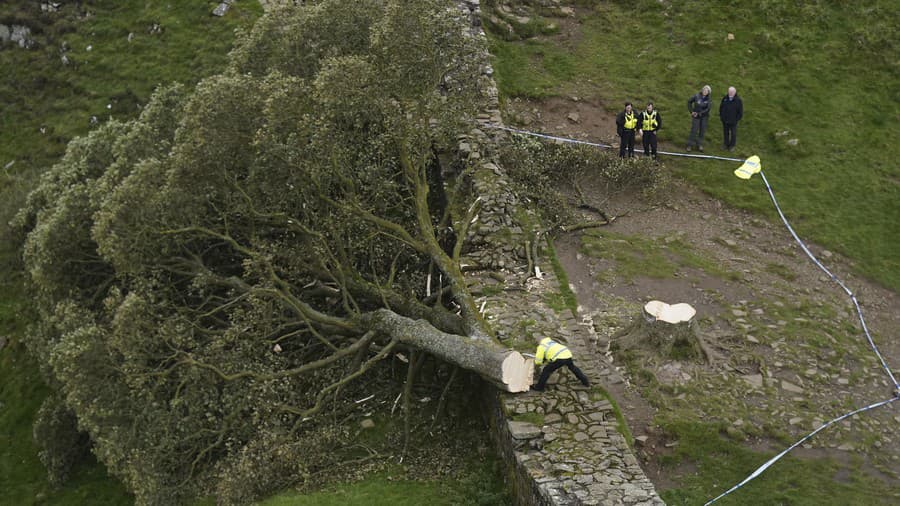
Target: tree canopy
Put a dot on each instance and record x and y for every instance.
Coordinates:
(209, 274)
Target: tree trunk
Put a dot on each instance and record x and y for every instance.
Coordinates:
(508, 369)
(669, 330)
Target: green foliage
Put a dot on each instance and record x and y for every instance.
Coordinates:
(201, 273)
(809, 70)
(544, 173)
(62, 444)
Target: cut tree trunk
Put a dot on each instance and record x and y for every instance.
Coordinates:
(506, 368)
(669, 330)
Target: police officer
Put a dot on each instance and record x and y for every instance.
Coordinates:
(649, 123)
(556, 355)
(626, 123)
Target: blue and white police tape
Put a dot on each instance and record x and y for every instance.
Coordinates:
(604, 146)
(776, 458)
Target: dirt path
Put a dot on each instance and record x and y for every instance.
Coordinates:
(788, 340)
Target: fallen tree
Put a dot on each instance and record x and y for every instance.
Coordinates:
(212, 275)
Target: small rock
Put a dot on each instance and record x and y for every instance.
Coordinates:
(827, 254)
(751, 339)
(846, 447)
(843, 381)
(368, 423)
(730, 36)
(641, 440)
(790, 387)
(573, 117)
(793, 142)
(738, 312)
(563, 468)
(730, 242)
(796, 420)
(220, 10)
(755, 380)
(523, 430)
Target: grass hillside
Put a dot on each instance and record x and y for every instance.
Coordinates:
(823, 73)
(43, 104)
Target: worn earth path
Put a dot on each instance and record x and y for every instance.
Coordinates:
(791, 354)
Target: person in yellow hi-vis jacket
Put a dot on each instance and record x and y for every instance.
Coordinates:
(556, 355)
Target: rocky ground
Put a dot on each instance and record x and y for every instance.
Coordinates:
(790, 353)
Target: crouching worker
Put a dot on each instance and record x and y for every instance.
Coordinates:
(556, 355)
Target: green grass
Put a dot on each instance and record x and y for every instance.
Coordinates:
(115, 72)
(476, 487)
(565, 292)
(721, 463)
(532, 418)
(823, 71)
(637, 256)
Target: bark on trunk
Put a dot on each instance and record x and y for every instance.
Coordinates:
(508, 369)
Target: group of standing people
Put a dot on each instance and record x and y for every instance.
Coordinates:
(648, 122)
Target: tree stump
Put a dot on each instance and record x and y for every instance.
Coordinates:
(669, 330)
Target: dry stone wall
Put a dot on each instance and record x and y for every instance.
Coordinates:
(564, 445)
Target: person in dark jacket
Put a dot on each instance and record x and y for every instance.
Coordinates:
(626, 124)
(649, 123)
(698, 106)
(731, 110)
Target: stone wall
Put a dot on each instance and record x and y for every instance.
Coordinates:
(564, 445)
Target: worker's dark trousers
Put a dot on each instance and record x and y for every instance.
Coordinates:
(730, 134)
(627, 144)
(556, 364)
(649, 141)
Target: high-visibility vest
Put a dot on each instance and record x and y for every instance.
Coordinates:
(630, 121)
(549, 351)
(648, 123)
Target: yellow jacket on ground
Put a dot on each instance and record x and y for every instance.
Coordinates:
(549, 350)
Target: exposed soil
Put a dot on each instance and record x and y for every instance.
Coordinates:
(790, 352)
